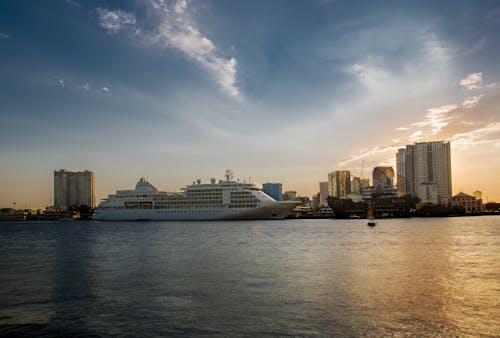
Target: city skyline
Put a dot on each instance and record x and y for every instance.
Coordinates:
(282, 91)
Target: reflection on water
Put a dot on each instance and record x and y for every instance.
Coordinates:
(436, 276)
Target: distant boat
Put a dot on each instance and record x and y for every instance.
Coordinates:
(369, 215)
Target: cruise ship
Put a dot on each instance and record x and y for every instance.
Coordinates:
(222, 200)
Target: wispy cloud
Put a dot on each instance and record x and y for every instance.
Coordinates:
(177, 29)
(368, 152)
(401, 128)
(115, 21)
(105, 90)
(472, 81)
(487, 134)
(180, 6)
(85, 87)
(475, 122)
(61, 83)
(471, 101)
(416, 136)
(4, 36)
(436, 118)
(73, 3)
(369, 74)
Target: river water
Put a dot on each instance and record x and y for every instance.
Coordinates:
(418, 277)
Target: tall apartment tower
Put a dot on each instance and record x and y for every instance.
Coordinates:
(425, 171)
(401, 184)
(74, 188)
(339, 184)
(323, 192)
(383, 176)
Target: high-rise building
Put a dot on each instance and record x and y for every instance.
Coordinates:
(401, 172)
(425, 170)
(339, 184)
(355, 185)
(274, 190)
(365, 182)
(323, 192)
(74, 188)
(290, 195)
(383, 176)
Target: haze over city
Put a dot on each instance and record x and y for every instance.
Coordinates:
(279, 91)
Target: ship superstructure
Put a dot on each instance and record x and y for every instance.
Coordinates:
(213, 201)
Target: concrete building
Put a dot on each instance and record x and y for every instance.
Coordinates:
(425, 171)
(383, 177)
(316, 202)
(323, 193)
(339, 184)
(401, 184)
(290, 196)
(470, 203)
(74, 188)
(274, 190)
(355, 185)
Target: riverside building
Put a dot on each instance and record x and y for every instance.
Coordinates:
(74, 188)
(339, 184)
(424, 170)
(323, 192)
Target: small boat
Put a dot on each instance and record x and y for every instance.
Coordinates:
(369, 215)
(371, 221)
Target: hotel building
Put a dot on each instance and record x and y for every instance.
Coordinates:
(74, 188)
(424, 170)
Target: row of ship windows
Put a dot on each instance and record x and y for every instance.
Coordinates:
(244, 200)
(241, 205)
(196, 211)
(204, 190)
(187, 212)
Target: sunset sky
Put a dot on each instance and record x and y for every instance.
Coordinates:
(279, 91)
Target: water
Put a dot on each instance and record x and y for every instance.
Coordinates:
(435, 276)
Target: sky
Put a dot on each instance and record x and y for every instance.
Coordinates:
(278, 91)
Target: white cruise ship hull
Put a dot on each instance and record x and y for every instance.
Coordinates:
(277, 210)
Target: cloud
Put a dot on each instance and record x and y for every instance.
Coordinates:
(61, 83)
(463, 126)
(436, 118)
(435, 49)
(180, 6)
(471, 101)
(177, 29)
(472, 81)
(401, 128)
(73, 3)
(105, 90)
(370, 152)
(486, 134)
(416, 136)
(115, 21)
(369, 74)
(4, 36)
(85, 87)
